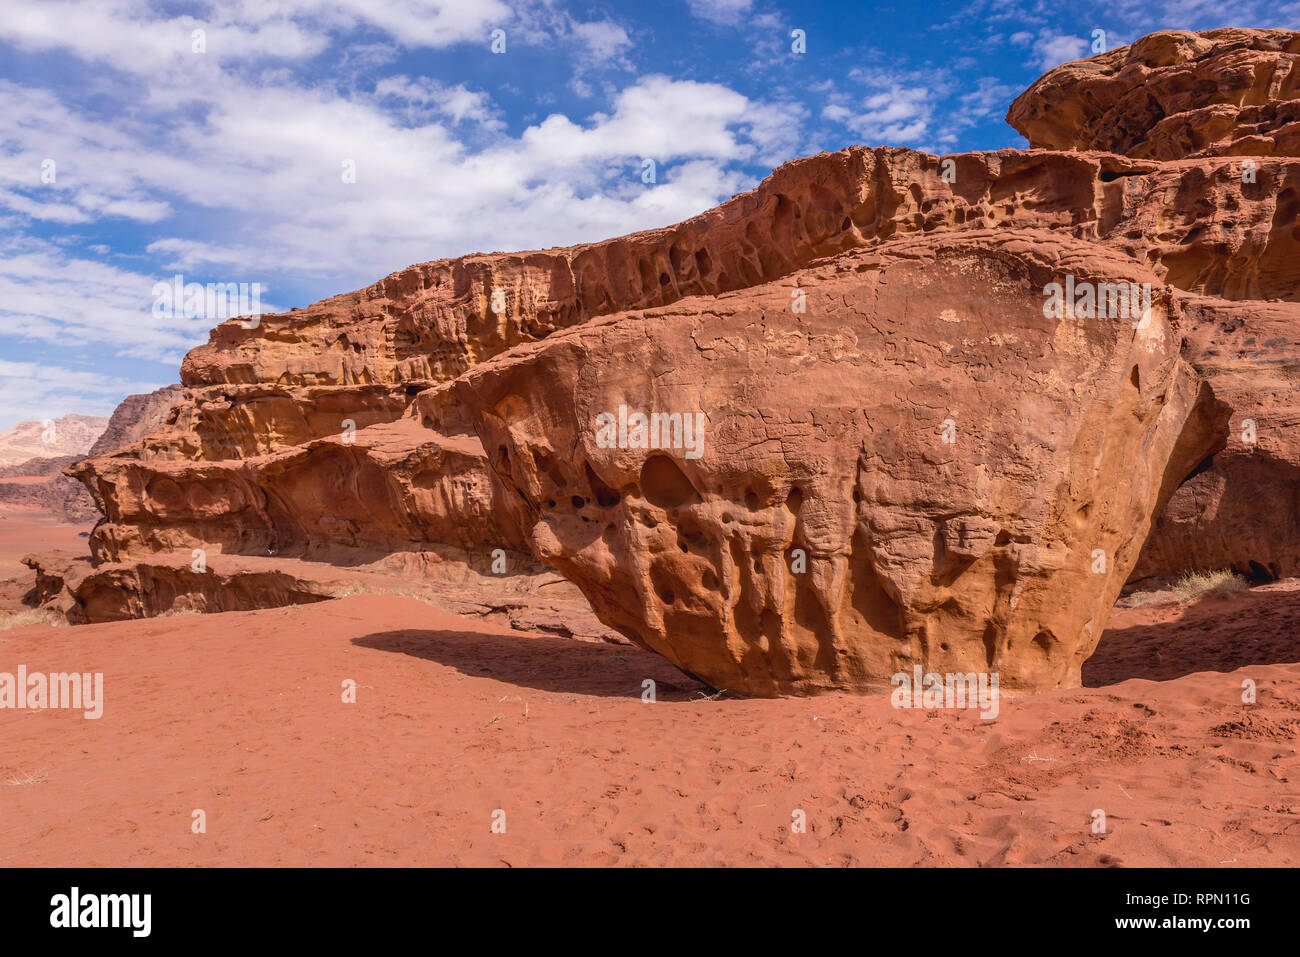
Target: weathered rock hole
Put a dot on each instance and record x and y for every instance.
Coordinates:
(689, 534)
(1260, 574)
(751, 501)
(605, 496)
(662, 585)
(664, 484)
(675, 257)
(991, 643)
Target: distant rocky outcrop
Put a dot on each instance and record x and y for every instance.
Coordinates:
(40, 483)
(53, 438)
(909, 456)
(135, 417)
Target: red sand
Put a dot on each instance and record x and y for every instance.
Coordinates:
(23, 531)
(240, 715)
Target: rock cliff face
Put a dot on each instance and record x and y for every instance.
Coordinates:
(964, 477)
(135, 417)
(1231, 93)
(42, 483)
(214, 474)
(1241, 509)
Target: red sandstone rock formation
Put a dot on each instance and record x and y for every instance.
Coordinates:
(824, 435)
(170, 492)
(1239, 509)
(31, 457)
(39, 485)
(1173, 95)
(350, 430)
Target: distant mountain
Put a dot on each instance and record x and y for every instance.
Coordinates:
(135, 418)
(71, 434)
(36, 481)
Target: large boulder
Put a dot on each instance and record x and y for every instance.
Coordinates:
(922, 468)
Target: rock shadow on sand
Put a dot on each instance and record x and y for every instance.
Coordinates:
(560, 665)
(1160, 643)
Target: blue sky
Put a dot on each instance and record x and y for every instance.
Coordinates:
(226, 163)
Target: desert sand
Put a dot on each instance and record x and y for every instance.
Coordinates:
(23, 531)
(241, 715)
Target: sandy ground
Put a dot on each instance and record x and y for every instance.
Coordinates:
(240, 715)
(24, 531)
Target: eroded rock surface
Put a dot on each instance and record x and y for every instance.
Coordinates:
(825, 435)
(213, 473)
(1241, 508)
(1172, 95)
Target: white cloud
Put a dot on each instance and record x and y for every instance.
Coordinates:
(658, 118)
(248, 176)
(458, 103)
(60, 299)
(228, 168)
(990, 97)
(1053, 49)
(134, 36)
(429, 23)
(720, 11)
(139, 36)
(34, 391)
(897, 116)
(604, 40)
